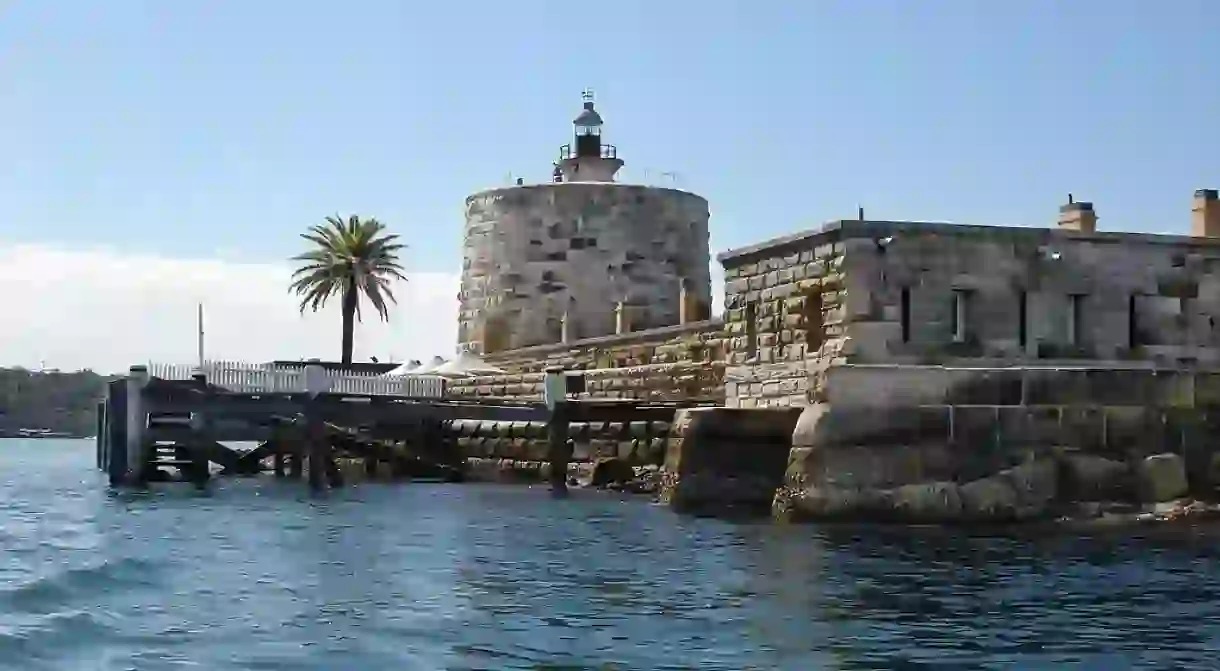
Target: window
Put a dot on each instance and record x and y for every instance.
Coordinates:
(1074, 317)
(1133, 333)
(812, 313)
(1022, 318)
(960, 312)
(906, 314)
(751, 330)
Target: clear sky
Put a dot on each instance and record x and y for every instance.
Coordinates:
(201, 137)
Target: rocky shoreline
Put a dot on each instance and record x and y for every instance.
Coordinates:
(1058, 490)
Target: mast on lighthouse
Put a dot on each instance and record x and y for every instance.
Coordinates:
(587, 159)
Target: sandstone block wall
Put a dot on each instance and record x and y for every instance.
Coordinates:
(519, 450)
(654, 382)
(534, 253)
(930, 293)
(786, 311)
(701, 341)
(1086, 296)
(720, 459)
(934, 443)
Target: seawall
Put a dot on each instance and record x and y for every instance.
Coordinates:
(936, 444)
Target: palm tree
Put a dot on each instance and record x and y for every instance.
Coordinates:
(348, 259)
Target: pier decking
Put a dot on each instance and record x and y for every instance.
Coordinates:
(148, 424)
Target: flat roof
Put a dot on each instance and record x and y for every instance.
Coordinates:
(856, 228)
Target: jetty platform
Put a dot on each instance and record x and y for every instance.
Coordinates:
(152, 429)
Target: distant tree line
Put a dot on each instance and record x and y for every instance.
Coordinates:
(52, 400)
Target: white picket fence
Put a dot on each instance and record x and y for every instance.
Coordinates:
(252, 378)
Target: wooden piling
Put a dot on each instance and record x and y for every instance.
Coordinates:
(116, 433)
(559, 449)
(315, 444)
(201, 438)
(138, 453)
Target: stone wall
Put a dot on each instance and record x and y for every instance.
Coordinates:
(693, 342)
(534, 254)
(721, 459)
(519, 450)
(928, 443)
(930, 293)
(785, 317)
(1030, 294)
(655, 382)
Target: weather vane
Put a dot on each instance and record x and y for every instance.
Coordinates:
(587, 95)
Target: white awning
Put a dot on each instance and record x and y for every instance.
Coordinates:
(466, 365)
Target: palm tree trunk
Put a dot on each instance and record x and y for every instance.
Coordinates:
(349, 323)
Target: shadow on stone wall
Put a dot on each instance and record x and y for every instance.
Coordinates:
(722, 460)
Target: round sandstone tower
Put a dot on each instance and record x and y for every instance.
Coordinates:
(552, 262)
(582, 256)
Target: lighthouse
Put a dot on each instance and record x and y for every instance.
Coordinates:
(587, 159)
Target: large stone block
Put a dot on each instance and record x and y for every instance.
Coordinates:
(1082, 427)
(827, 425)
(1025, 427)
(1000, 386)
(886, 386)
(1134, 430)
(1162, 478)
(1056, 387)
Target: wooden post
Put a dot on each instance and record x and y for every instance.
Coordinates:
(315, 430)
(315, 438)
(554, 396)
(559, 449)
(99, 434)
(201, 436)
(137, 422)
(116, 432)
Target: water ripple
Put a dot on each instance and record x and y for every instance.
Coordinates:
(257, 575)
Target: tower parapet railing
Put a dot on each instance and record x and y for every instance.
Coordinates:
(605, 151)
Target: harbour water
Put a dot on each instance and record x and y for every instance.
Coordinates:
(257, 575)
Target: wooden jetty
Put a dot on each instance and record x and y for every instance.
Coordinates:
(149, 426)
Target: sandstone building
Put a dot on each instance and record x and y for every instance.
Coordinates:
(894, 293)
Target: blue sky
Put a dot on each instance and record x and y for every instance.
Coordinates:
(220, 129)
(226, 126)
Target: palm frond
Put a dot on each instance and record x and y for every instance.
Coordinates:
(352, 252)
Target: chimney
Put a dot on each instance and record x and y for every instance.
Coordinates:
(1078, 216)
(1205, 214)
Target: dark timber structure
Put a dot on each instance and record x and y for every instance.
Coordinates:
(147, 426)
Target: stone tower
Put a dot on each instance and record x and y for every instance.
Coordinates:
(580, 256)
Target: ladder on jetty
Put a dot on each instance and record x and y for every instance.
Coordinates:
(148, 424)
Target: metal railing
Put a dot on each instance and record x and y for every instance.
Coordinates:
(252, 378)
(606, 151)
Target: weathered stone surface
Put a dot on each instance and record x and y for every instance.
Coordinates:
(531, 251)
(610, 471)
(992, 498)
(727, 458)
(1089, 477)
(928, 502)
(1162, 477)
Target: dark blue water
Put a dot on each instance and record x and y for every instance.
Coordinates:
(420, 576)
